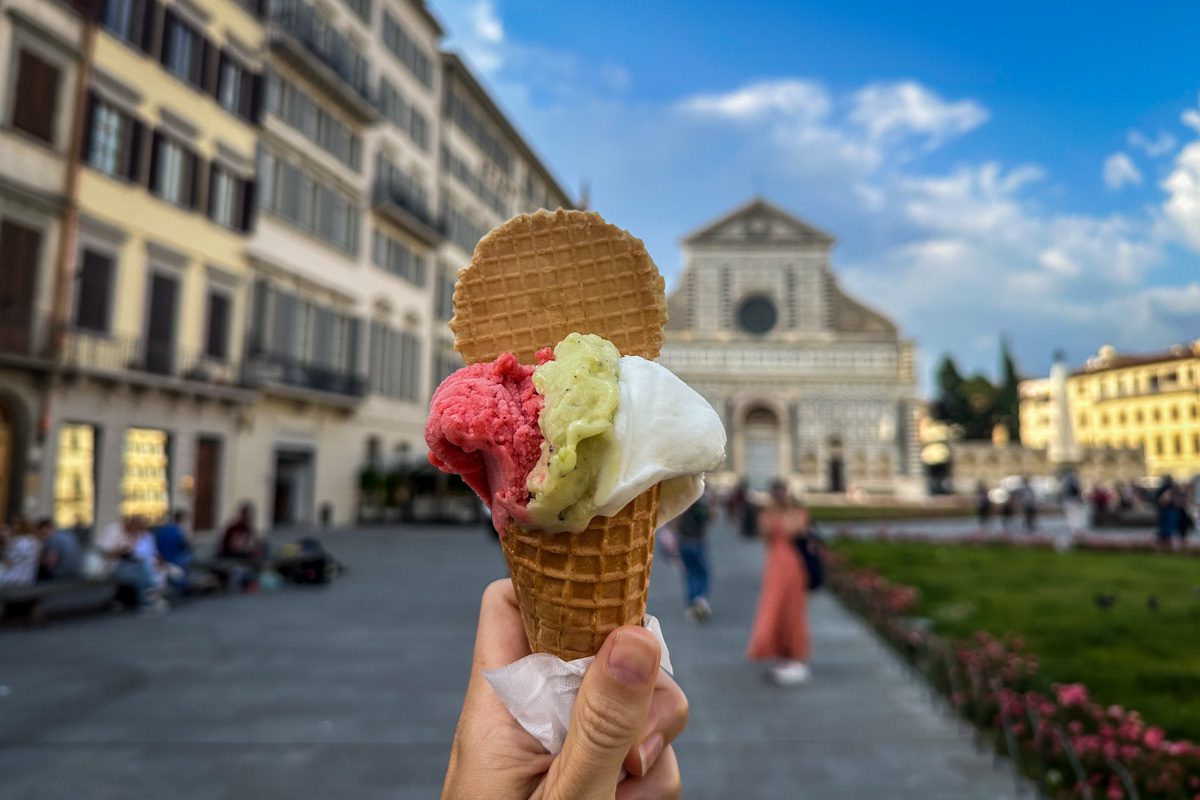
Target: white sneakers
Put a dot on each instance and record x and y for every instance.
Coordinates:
(790, 673)
(700, 610)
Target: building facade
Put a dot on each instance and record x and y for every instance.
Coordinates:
(812, 385)
(273, 199)
(1121, 401)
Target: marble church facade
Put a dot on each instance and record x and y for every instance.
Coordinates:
(813, 385)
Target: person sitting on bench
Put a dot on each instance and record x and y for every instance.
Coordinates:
(61, 555)
(175, 548)
(128, 548)
(241, 543)
(19, 565)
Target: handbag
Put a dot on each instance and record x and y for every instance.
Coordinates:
(809, 548)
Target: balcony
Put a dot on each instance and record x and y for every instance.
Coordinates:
(303, 380)
(150, 364)
(299, 36)
(394, 201)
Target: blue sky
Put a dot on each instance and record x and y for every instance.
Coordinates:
(1034, 173)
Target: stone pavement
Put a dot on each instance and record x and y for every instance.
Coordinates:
(352, 692)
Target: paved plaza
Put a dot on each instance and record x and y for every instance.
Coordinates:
(352, 691)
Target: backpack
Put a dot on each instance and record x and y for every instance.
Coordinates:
(809, 548)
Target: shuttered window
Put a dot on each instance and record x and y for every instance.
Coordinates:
(216, 337)
(93, 293)
(37, 96)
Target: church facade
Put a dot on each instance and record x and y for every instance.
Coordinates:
(813, 386)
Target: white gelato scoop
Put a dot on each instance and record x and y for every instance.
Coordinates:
(663, 432)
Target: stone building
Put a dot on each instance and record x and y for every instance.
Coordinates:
(273, 199)
(812, 385)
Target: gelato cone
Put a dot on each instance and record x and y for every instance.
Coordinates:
(532, 281)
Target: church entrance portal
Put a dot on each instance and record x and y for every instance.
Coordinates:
(761, 449)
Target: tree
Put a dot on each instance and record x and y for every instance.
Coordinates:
(1008, 398)
(950, 405)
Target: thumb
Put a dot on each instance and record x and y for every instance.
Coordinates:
(609, 714)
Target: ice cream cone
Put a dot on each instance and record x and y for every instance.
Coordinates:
(532, 281)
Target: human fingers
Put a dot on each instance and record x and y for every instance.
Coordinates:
(667, 718)
(500, 638)
(610, 712)
(662, 782)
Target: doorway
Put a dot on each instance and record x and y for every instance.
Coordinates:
(760, 464)
(7, 447)
(294, 483)
(160, 324)
(836, 466)
(204, 496)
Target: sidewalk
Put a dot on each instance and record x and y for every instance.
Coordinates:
(353, 691)
(863, 728)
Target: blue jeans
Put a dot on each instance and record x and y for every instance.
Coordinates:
(694, 555)
(138, 575)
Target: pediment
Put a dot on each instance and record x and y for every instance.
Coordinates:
(759, 221)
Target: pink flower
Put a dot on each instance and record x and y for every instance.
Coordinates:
(1071, 694)
(1154, 738)
(1114, 792)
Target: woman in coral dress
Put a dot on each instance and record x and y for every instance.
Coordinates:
(780, 630)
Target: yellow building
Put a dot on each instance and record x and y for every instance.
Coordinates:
(1130, 401)
(156, 300)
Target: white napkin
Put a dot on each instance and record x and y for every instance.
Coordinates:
(540, 689)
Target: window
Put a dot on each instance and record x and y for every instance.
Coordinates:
(1121, 418)
(461, 111)
(75, 476)
(174, 172)
(216, 333)
(403, 115)
(757, 315)
(395, 356)
(185, 52)
(463, 173)
(407, 51)
(37, 96)
(132, 21)
(114, 141)
(1196, 443)
(93, 292)
(396, 257)
(460, 228)
(229, 199)
(310, 204)
(236, 87)
(1157, 415)
(362, 8)
(146, 482)
(298, 109)
(1175, 413)
(1158, 446)
(445, 294)
(1139, 416)
(1178, 445)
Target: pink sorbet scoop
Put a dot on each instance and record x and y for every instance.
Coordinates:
(483, 426)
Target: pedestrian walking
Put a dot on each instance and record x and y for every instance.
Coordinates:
(692, 528)
(1074, 506)
(1167, 504)
(780, 631)
(983, 505)
(1028, 504)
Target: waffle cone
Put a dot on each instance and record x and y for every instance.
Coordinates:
(532, 281)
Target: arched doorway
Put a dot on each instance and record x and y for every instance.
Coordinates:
(760, 448)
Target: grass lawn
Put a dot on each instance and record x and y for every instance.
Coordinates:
(1127, 655)
(852, 513)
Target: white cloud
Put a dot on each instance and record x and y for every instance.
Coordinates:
(905, 108)
(1119, 170)
(1159, 146)
(1182, 205)
(798, 99)
(485, 24)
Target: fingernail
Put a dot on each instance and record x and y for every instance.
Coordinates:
(649, 751)
(632, 659)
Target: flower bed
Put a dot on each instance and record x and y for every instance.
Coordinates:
(1061, 739)
(1033, 541)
